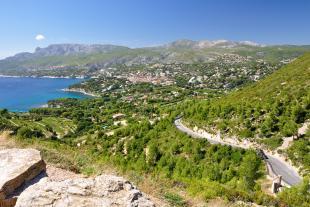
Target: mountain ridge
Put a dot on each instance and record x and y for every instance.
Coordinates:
(99, 56)
(75, 48)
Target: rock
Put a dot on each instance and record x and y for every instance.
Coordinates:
(20, 172)
(104, 190)
(8, 202)
(17, 166)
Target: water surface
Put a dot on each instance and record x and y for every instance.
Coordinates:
(22, 94)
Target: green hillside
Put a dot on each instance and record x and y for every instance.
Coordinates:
(271, 108)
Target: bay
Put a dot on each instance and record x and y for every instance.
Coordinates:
(19, 94)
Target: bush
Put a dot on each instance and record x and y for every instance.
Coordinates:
(297, 196)
(174, 199)
(25, 132)
(273, 142)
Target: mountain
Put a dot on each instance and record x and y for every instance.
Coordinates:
(75, 49)
(210, 44)
(80, 57)
(60, 50)
(66, 50)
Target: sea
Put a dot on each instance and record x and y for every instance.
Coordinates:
(19, 94)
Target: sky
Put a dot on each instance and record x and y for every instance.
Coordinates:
(27, 24)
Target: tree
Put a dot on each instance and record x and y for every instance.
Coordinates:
(153, 154)
(248, 170)
(299, 114)
(26, 132)
(290, 128)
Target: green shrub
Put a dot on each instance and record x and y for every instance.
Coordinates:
(175, 200)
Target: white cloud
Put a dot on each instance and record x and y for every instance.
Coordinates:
(40, 37)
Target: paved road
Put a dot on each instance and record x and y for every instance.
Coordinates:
(289, 174)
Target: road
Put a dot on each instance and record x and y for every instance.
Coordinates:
(288, 173)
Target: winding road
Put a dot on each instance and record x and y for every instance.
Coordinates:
(277, 167)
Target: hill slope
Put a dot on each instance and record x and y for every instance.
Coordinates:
(269, 108)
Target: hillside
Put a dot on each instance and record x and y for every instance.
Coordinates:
(284, 93)
(266, 111)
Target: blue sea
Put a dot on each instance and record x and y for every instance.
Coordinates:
(22, 94)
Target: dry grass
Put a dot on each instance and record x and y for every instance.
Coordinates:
(266, 184)
(6, 141)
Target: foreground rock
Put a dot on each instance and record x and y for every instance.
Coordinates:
(23, 182)
(17, 167)
(104, 190)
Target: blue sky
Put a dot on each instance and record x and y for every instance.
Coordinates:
(138, 23)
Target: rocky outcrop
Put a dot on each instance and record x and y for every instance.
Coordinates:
(104, 190)
(23, 182)
(17, 166)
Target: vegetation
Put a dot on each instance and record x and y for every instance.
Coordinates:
(272, 108)
(174, 199)
(163, 152)
(299, 153)
(297, 195)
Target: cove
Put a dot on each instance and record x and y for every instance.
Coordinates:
(19, 94)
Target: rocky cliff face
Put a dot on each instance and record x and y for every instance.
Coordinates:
(23, 182)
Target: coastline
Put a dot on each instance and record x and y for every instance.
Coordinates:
(79, 90)
(51, 77)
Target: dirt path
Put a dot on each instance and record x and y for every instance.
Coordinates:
(287, 141)
(58, 174)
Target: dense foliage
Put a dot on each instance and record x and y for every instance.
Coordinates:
(299, 152)
(297, 196)
(163, 152)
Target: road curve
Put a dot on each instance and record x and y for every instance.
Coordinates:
(278, 167)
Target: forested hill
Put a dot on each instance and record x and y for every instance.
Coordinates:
(271, 108)
(292, 80)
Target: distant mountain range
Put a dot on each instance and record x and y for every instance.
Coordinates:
(210, 44)
(68, 49)
(80, 56)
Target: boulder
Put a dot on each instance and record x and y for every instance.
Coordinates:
(17, 167)
(104, 190)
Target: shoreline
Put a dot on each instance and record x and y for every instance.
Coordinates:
(49, 77)
(79, 90)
